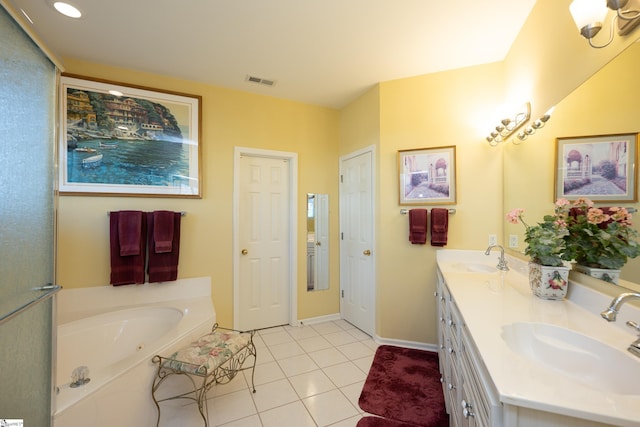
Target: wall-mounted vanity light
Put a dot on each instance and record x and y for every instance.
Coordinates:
(590, 14)
(530, 130)
(509, 125)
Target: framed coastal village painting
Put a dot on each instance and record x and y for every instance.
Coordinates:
(601, 168)
(122, 140)
(427, 176)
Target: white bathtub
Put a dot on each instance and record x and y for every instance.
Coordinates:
(115, 331)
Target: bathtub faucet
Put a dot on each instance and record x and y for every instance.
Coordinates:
(80, 376)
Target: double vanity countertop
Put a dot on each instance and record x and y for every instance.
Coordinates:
(554, 356)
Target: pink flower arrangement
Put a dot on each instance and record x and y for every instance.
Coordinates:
(599, 237)
(545, 241)
(578, 231)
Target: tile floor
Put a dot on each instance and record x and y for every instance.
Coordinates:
(308, 376)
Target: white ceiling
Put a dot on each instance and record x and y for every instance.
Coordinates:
(322, 52)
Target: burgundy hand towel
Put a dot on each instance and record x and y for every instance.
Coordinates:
(129, 232)
(162, 231)
(439, 226)
(126, 270)
(163, 266)
(418, 226)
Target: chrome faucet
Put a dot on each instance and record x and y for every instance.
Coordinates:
(502, 263)
(611, 313)
(79, 376)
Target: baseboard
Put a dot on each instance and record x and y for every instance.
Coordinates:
(408, 344)
(378, 339)
(319, 319)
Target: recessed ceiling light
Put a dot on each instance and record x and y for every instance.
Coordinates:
(67, 10)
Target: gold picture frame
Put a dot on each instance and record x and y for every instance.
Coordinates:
(124, 140)
(601, 168)
(427, 176)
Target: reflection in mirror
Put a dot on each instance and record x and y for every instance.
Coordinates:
(317, 241)
(605, 104)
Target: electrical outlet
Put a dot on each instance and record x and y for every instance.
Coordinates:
(513, 240)
(493, 240)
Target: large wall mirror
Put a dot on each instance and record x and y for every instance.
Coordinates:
(317, 241)
(607, 103)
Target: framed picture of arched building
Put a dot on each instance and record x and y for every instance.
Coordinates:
(118, 139)
(427, 176)
(601, 168)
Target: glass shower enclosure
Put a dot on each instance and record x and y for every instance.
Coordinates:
(27, 141)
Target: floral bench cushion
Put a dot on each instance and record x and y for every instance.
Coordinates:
(204, 356)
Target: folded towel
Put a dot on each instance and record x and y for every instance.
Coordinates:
(129, 232)
(163, 231)
(418, 226)
(129, 269)
(439, 226)
(163, 266)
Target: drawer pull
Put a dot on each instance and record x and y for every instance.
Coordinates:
(466, 409)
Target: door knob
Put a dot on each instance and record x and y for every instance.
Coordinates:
(244, 252)
(367, 252)
(318, 244)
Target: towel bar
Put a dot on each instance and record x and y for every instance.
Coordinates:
(406, 211)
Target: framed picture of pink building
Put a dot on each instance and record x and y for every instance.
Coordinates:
(427, 176)
(601, 168)
(117, 139)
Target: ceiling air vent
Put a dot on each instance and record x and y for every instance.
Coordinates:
(261, 81)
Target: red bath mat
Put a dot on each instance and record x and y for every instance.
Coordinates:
(403, 385)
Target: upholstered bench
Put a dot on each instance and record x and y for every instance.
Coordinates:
(215, 358)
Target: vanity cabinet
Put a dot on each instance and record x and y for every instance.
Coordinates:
(470, 397)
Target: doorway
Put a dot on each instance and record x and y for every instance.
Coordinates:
(357, 239)
(265, 235)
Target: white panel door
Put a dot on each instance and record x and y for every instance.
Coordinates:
(263, 242)
(357, 279)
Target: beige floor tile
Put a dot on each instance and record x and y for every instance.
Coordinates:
(328, 357)
(311, 383)
(274, 394)
(344, 374)
(292, 414)
(330, 407)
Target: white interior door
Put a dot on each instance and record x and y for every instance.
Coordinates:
(357, 276)
(263, 242)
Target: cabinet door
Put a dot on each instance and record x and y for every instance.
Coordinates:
(479, 401)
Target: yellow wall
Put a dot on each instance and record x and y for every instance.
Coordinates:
(435, 110)
(229, 119)
(549, 58)
(360, 122)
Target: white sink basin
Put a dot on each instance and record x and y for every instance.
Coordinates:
(474, 267)
(575, 355)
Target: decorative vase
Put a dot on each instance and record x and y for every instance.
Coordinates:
(606, 274)
(548, 282)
